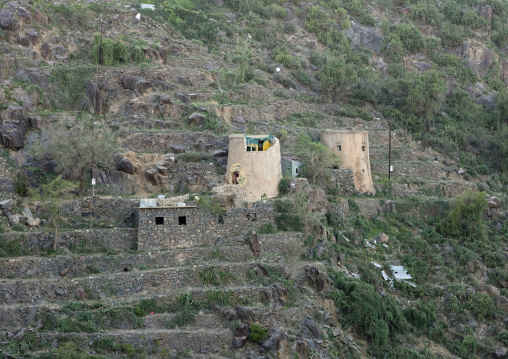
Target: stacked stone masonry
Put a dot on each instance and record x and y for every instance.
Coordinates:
(190, 226)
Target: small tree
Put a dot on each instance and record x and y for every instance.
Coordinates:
(53, 193)
(317, 158)
(74, 144)
(337, 77)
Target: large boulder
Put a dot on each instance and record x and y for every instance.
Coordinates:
(364, 36)
(94, 100)
(125, 165)
(137, 83)
(12, 134)
(197, 119)
(7, 20)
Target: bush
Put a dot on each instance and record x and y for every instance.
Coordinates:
(410, 36)
(426, 13)
(375, 317)
(302, 76)
(451, 35)
(465, 220)
(257, 333)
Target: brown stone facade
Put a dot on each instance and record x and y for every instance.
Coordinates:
(172, 227)
(254, 166)
(352, 147)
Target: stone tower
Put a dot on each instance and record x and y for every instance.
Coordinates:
(352, 147)
(254, 165)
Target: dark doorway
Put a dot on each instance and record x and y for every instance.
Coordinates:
(159, 221)
(260, 145)
(182, 221)
(236, 174)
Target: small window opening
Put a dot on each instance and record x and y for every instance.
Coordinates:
(220, 220)
(339, 147)
(159, 221)
(363, 148)
(296, 169)
(182, 221)
(249, 148)
(260, 145)
(236, 174)
(363, 170)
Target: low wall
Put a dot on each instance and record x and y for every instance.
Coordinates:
(35, 242)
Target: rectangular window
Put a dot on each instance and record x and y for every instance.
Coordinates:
(159, 221)
(363, 148)
(182, 221)
(339, 147)
(260, 145)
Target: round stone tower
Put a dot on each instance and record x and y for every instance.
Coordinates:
(254, 165)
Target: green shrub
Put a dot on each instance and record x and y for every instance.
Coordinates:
(336, 41)
(267, 228)
(451, 35)
(185, 315)
(503, 337)
(285, 185)
(375, 317)
(426, 13)
(12, 248)
(392, 47)
(471, 18)
(453, 12)
(410, 36)
(465, 220)
(257, 333)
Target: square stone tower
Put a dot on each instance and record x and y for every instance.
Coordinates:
(254, 164)
(352, 147)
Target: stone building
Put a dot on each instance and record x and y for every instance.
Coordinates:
(254, 166)
(290, 167)
(352, 147)
(190, 226)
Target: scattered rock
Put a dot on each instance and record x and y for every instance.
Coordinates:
(382, 238)
(254, 243)
(12, 135)
(60, 291)
(183, 98)
(364, 36)
(197, 119)
(7, 20)
(502, 302)
(81, 293)
(486, 12)
(137, 83)
(64, 272)
(19, 335)
(34, 222)
(495, 202)
(31, 315)
(13, 219)
(273, 343)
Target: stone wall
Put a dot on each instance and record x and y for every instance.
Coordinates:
(344, 179)
(191, 226)
(119, 211)
(107, 238)
(175, 142)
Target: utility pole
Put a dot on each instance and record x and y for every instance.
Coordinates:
(389, 149)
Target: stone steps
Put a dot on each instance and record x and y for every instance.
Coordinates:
(85, 265)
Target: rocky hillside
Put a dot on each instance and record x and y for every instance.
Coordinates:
(147, 98)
